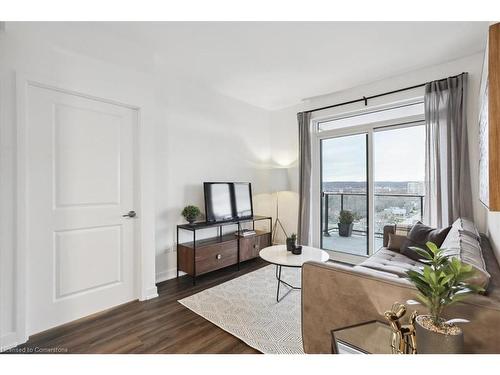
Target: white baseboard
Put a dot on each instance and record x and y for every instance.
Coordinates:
(167, 275)
(8, 341)
(149, 294)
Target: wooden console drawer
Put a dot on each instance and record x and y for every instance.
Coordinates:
(263, 240)
(213, 257)
(250, 246)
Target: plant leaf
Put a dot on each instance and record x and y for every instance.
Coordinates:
(423, 253)
(443, 280)
(432, 247)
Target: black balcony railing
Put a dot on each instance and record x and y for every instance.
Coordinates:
(344, 205)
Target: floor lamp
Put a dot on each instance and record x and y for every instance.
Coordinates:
(279, 182)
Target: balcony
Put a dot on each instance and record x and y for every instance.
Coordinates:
(389, 209)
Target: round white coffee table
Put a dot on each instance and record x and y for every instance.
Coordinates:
(279, 256)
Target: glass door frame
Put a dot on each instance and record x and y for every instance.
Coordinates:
(368, 188)
(316, 169)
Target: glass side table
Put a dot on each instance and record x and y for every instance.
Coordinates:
(371, 337)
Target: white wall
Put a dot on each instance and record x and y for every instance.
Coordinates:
(284, 152)
(199, 135)
(493, 232)
(204, 136)
(7, 198)
(33, 57)
(284, 123)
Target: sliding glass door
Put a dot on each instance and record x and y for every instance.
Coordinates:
(369, 178)
(344, 194)
(399, 173)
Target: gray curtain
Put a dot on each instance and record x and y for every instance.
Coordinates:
(447, 172)
(304, 120)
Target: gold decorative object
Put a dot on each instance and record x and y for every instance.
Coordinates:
(403, 335)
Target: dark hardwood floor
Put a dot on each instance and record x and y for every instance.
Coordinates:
(160, 325)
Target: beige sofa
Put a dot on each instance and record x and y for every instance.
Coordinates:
(334, 296)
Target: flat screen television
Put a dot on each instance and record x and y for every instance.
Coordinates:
(226, 201)
(243, 200)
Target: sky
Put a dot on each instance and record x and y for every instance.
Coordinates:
(399, 155)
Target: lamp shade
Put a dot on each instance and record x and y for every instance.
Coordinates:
(279, 180)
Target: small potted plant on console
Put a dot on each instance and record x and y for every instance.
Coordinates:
(345, 223)
(441, 282)
(290, 242)
(190, 213)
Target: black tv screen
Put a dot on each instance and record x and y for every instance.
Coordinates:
(226, 201)
(218, 201)
(243, 199)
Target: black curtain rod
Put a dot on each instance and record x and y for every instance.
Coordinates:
(366, 98)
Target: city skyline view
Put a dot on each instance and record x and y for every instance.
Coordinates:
(397, 187)
(398, 155)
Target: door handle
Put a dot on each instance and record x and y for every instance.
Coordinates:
(130, 214)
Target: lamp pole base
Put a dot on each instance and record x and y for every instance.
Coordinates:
(275, 230)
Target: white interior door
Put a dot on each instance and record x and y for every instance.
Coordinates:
(80, 183)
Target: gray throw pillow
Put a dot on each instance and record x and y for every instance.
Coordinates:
(419, 235)
(395, 242)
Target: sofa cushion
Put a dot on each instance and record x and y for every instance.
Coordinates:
(419, 235)
(462, 244)
(467, 227)
(392, 262)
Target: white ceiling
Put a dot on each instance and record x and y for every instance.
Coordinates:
(269, 64)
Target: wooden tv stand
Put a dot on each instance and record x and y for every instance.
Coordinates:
(209, 254)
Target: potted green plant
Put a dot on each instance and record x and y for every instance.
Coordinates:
(290, 242)
(441, 283)
(190, 213)
(345, 223)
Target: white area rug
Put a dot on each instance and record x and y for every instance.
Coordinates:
(246, 307)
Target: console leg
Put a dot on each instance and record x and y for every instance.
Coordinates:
(177, 251)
